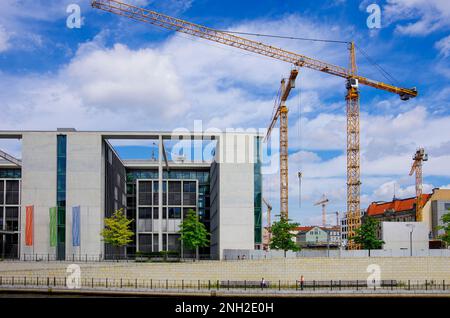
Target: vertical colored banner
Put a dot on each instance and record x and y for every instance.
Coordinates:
(29, 226)
(53, 225)
(76, 226)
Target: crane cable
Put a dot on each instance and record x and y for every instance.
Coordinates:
(389, 77)
(299, 111)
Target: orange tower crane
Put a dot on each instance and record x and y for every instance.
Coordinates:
(419, 157)
(298, 60)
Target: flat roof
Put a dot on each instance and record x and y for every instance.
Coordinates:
(17, 134)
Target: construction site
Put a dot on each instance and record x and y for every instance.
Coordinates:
(59, 191)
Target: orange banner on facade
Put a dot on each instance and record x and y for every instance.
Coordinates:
(29, 226)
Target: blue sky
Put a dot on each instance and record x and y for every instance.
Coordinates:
(117, 74)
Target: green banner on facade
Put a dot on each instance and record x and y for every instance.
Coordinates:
(53, 225)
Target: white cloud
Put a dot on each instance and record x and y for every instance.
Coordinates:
(122, 80)
(386, 191)
(4, 39)
(423, 16)
(443, 46)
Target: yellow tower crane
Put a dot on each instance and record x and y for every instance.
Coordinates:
(323, 202)
(281, 111)
(419, 157)
(269, 221)
(298, 60)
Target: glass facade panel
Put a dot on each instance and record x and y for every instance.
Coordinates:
(145, 243)
(9, 213)
(145, 213)
(180, 191)
(2, 192)
(12, 219)
(174, 213)
(61, 196)
(12, 192)
(9, 173)
(145, 193)
(258, 192)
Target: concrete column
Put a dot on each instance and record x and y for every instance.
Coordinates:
(160, 193)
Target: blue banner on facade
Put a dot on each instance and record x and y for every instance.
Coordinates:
(76, 226)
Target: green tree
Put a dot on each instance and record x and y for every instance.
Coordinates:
(283, 233)
(446, 227)
(117, 230)
(366, 235)
(193, 233)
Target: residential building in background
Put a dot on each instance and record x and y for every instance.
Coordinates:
(318, 236)
(436, 204)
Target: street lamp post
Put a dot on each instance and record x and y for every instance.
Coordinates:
(411, 226)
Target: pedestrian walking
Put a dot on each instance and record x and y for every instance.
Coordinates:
(302, 282)
(263, 283)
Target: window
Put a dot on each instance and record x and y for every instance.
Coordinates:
(174, 213)
(12, 192)
(447, 206)
(12, 218)
(145, 243)
(145, 213)
(145, 193)
(2, 193)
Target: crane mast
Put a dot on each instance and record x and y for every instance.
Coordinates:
(323, 202)
(281, 112)
(269, 222)
(298, 60)
(419, 157)
(353, 151)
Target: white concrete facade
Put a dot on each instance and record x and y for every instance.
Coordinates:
(85, 188)
(397, 236)
(233, 195)
(38, 188)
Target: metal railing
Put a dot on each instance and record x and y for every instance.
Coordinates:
(226, 285)
(87, 258)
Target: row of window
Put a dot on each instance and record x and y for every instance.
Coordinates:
(148, 193)
(10, 174)
(201, 176)
(168, 212)
(150, 242)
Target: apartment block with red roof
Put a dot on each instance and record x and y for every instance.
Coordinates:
(436, 204)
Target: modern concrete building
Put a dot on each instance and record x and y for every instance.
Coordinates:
(412, 236)
(69, 171)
